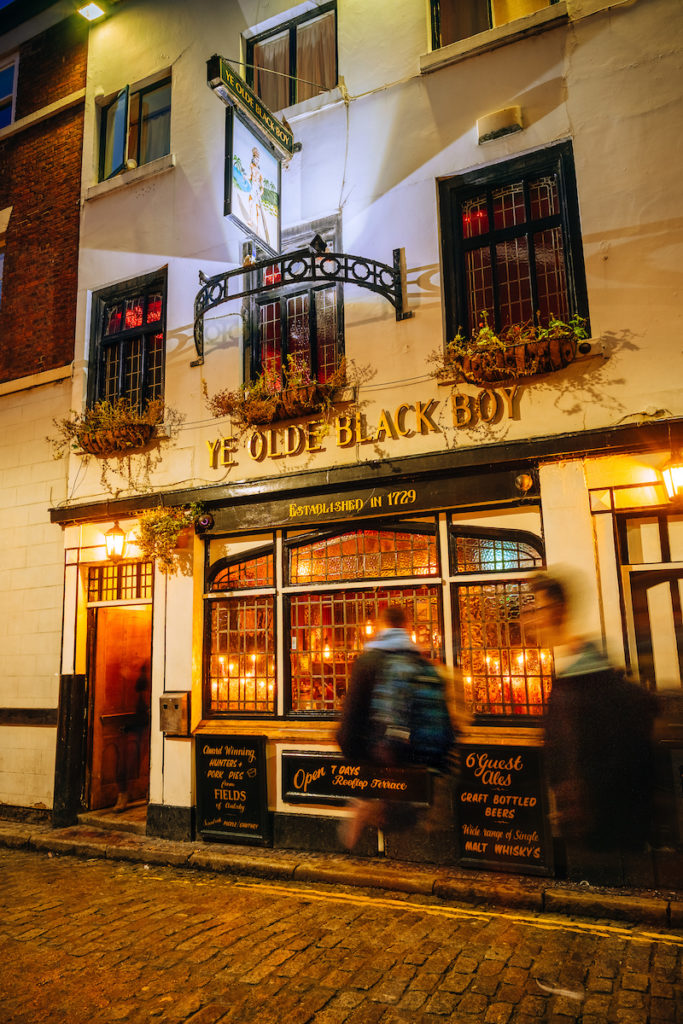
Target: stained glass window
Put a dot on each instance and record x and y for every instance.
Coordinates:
(364, 554)
(253, 572)
(499, 553)
(512, 243)
(131, 344)
(504, 671)
(242, 655)
(328, 631)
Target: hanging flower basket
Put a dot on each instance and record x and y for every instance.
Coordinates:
(108, 429)
(519, 351)
(116, 440)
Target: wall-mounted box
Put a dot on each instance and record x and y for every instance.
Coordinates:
(174, 714)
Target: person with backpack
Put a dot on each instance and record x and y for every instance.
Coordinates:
(395, 714)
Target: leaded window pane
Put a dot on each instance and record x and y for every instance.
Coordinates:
(329, 631)
(508, 205)
(479, 286)
(494, 554)
(504, 671)
(544, 197)
(475, 218)
(551, 275)
(326, 332)
(242, 655)
(254, 572)
(514, 281)
(364, 554)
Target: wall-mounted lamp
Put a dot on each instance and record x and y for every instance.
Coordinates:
(672, 474)
(92, 11)
(115, 541)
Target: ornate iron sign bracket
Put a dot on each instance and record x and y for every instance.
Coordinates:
(303, 266)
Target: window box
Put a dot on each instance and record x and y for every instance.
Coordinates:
(519, 351)
(263, 401)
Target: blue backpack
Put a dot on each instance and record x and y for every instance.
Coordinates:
(409, 714)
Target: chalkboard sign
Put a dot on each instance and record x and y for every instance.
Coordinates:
(501, 812)
(321, 778)
(232, 802)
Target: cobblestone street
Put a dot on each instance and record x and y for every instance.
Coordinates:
(91, 941)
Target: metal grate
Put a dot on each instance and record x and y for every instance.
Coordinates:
(364, 554)
(242, 655)
(493, 554)
(256, 572)
(504, 672)
(127, 581)
(328, 632)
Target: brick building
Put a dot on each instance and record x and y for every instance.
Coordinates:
(43, 51)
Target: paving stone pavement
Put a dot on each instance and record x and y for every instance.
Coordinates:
(101, 941)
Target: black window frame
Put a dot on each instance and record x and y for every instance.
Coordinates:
(328, 229)
(453, 191)
(291, 27)
(211, 598)
(123, 99)
(147, 284)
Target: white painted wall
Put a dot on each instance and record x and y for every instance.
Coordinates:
(376, 156)
(31, 582)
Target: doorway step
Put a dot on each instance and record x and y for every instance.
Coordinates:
(133, 819)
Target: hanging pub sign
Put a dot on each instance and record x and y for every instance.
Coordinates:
(232, 802)
(501, 814)
(255, 144)
(252, 184)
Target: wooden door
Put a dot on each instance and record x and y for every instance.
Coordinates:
(120, 704)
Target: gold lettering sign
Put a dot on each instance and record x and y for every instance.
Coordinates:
(488, 406)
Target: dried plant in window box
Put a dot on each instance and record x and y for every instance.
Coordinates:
(107, 429)
(159, 533)
(270, 397)
(520, 350)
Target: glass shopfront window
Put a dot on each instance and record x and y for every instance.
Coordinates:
(322, 593)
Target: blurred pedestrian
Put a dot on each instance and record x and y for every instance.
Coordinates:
(598, 731)
(395, 715)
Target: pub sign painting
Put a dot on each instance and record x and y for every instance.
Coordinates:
(253, 184)
(232, 799)
(502, 815)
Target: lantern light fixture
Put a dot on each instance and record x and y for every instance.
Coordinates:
(672, 474)
(115, 541)
(92, 11)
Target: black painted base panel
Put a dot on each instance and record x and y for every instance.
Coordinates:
(167, 822)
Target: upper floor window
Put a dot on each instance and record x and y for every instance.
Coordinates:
(8, 90)
(130, 323)
(295, 61)
(458, 19)
(297, 329)
(135, 128)
(512, 243)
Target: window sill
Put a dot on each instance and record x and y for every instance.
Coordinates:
(312, 106)
(483, 42)
(150, 170)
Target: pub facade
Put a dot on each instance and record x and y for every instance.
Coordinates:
(407, 327)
